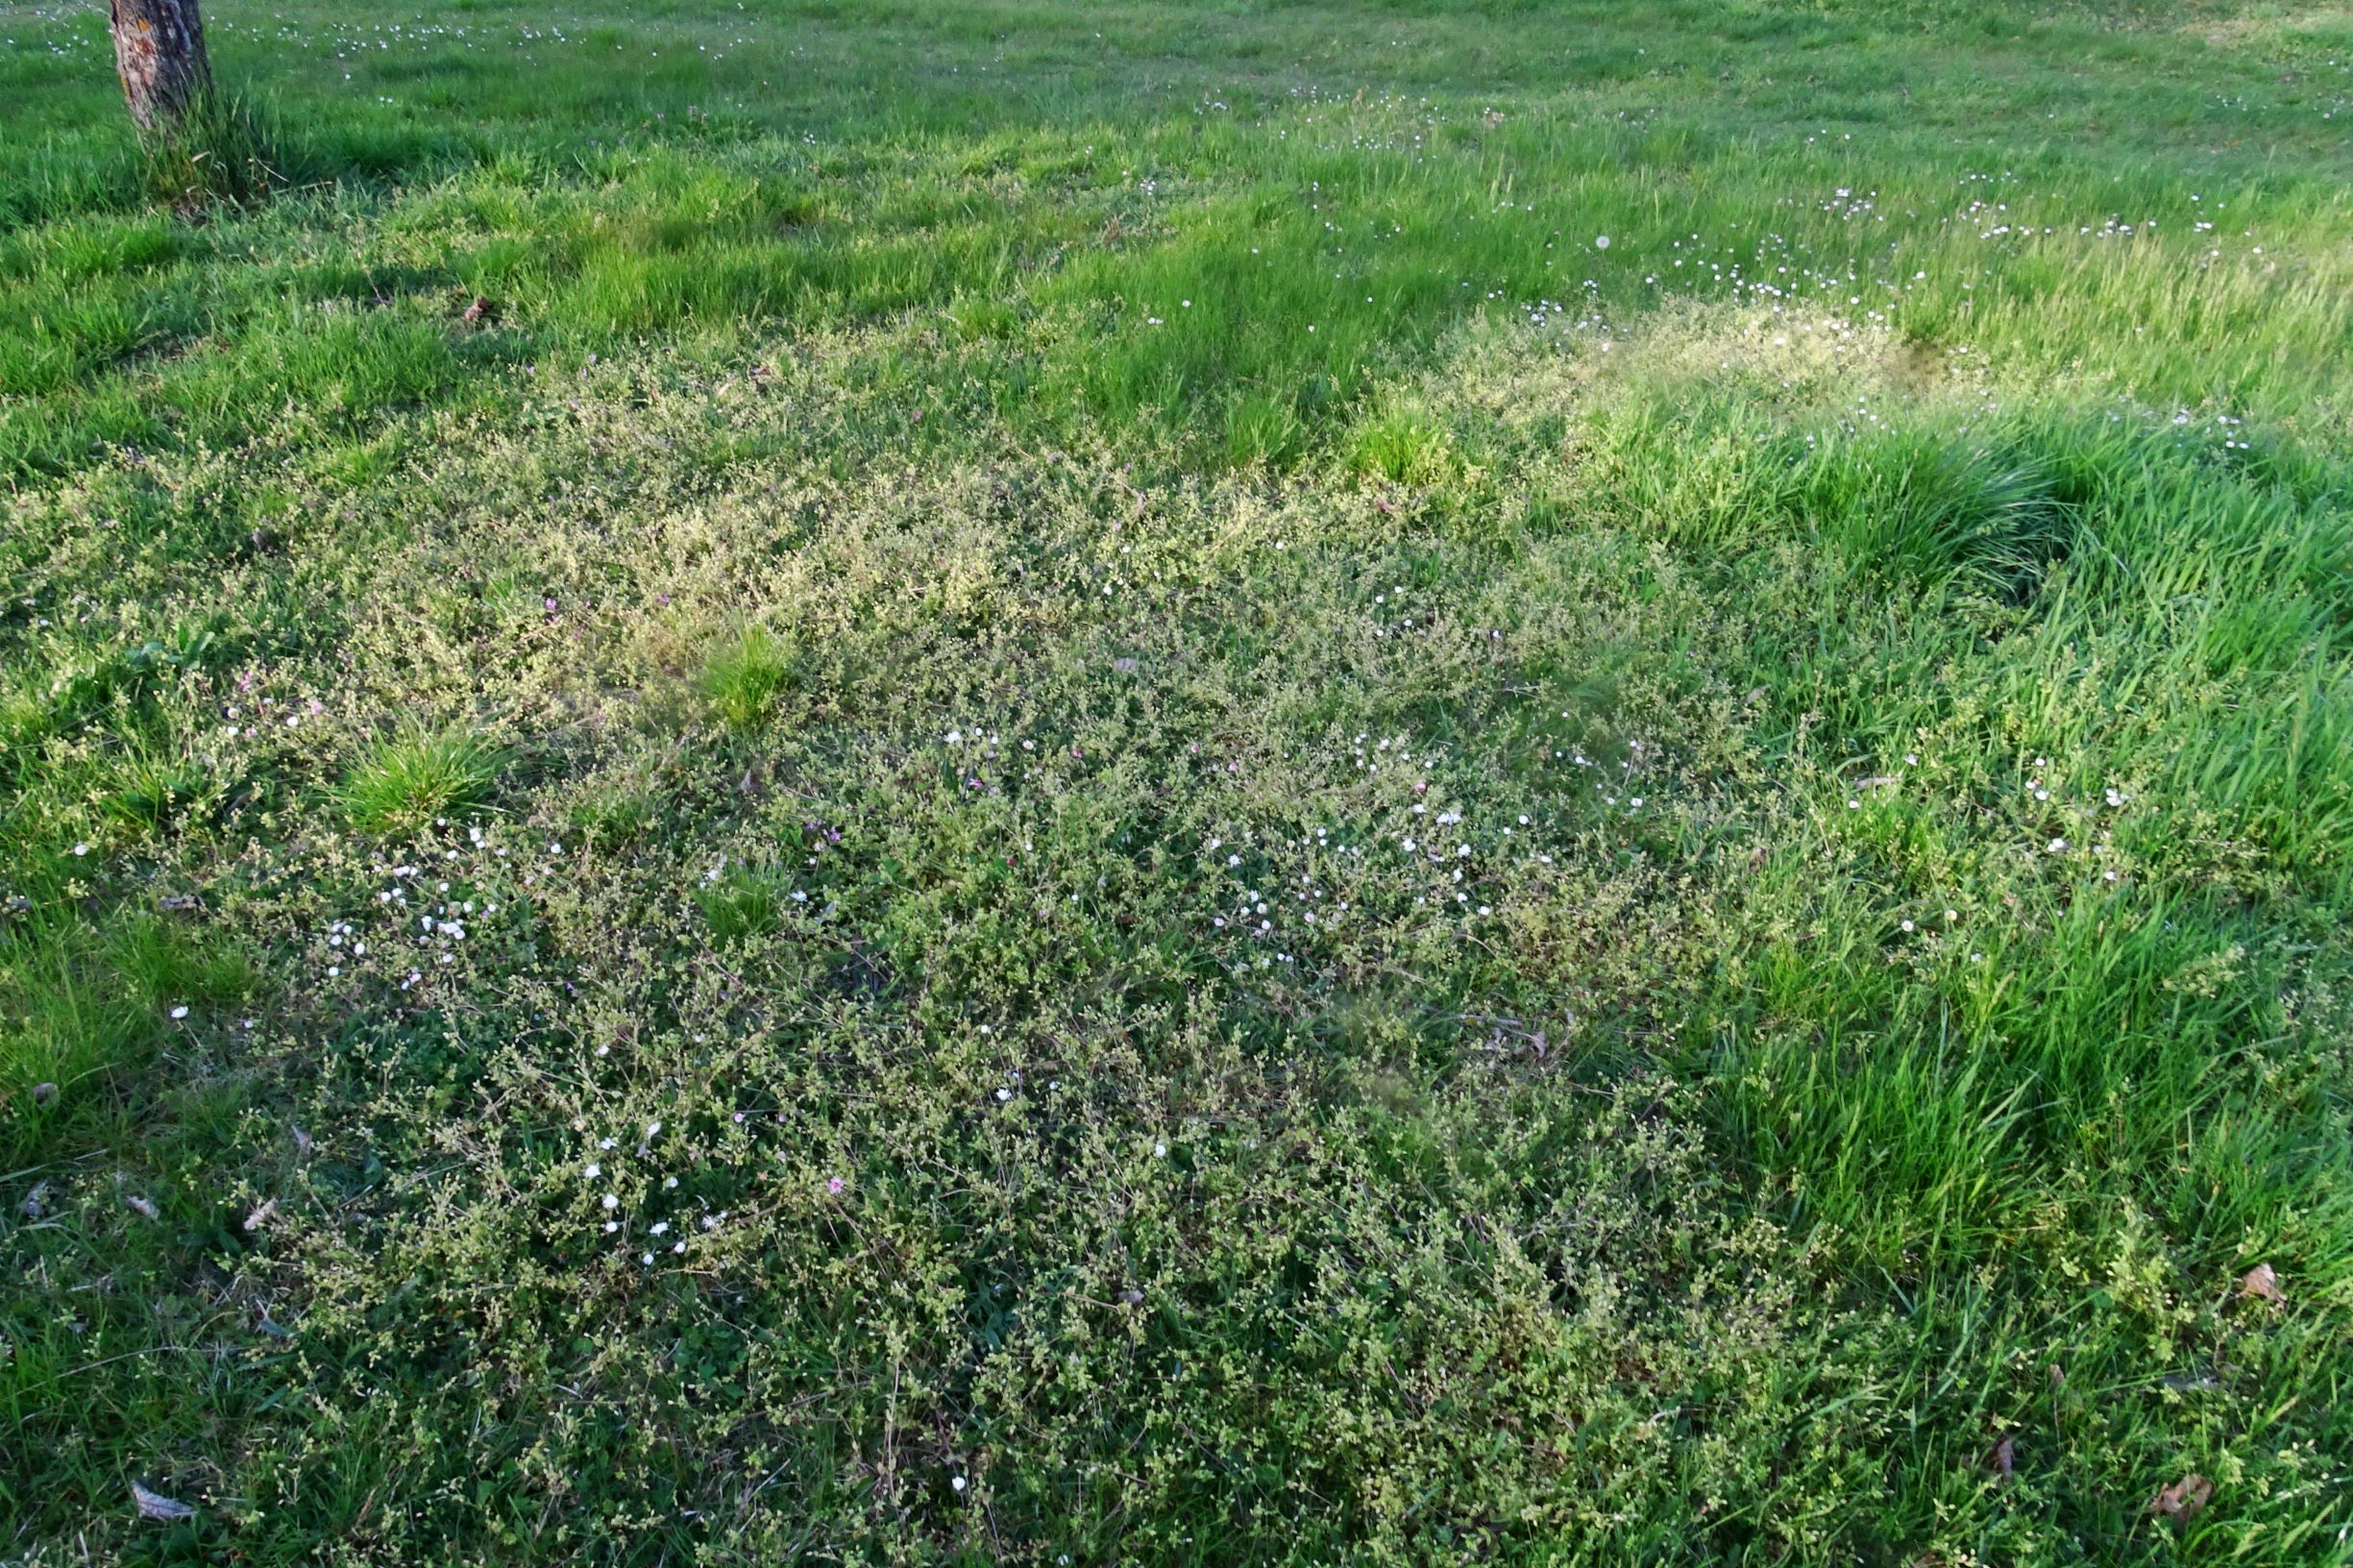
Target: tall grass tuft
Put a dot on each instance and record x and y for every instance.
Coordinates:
(420, 776)
(225, 150)
(745, 674)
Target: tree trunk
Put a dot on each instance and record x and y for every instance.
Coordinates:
(160, 54)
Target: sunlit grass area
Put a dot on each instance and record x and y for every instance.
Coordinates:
(1181, 783)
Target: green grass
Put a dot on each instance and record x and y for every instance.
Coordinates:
(745, 674)
(421, 779)
(883, 871)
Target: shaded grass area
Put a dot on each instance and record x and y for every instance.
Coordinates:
(881, 869)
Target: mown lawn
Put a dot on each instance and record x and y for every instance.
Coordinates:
(1043, 781)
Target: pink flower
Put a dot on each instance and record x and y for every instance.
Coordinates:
(834, 1186)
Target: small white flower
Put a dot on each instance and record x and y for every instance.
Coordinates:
(593, 1170)
(1160, 1151)
(82, 848)
(661, 1227)
(611, 1202)
(957, 1482)
(1907, 926)
(181, 1011)
(1601, 242)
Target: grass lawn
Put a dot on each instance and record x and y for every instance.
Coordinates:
(1183, 781)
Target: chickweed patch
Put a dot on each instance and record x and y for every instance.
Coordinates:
(1074, 795)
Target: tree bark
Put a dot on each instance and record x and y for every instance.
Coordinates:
(159, 54)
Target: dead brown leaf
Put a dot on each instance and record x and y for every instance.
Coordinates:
(2263, 1282)
(2182, 1501)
